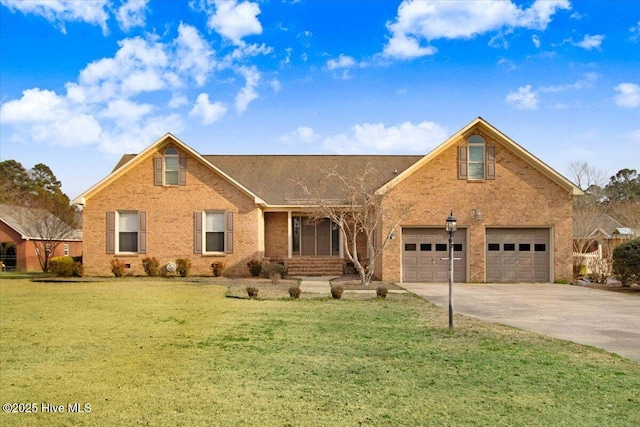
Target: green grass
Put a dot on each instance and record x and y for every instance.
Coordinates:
(179, 353)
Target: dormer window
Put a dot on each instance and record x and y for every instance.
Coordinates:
(170, 169)
(476, 160)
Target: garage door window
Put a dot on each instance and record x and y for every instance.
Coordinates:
(540, 247)
(410, 247)
(509, 247)
(494, 246)
(524, 247)
(441, 247)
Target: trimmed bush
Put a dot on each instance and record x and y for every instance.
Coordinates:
(218, 268)
(61, 266)
(117, 267)
(336, 291)
(274, 271)
(294, 292)
(626, 262)
(252, 292)
(382, 291)
(78, 270)
(151, 266)
(255, 267)
(183, 266)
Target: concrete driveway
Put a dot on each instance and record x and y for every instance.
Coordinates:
(603, 319)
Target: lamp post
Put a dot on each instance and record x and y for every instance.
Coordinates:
(451, 225)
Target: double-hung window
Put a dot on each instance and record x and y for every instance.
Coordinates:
(476, 157)
(126, 232)
(476, 160)
(213, 232)
(170, 169)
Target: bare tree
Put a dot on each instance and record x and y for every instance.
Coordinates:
(586, 176)
(357, 212)
(47, 226)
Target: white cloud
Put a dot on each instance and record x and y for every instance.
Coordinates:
(523, 99)
(590, 42)
(44, 116)
(194, 56)
(536, 40)
(377, 138)
(177, 100)
(275, 85)
(586, 82)
(131, 14)
(248, 93)
(430, 20)
(208, 112)
(636, 30)
(628, 95)
(302, 135)
(342, 61)
(234, 20)
(60, 12)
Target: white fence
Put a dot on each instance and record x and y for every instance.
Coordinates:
(589, 256)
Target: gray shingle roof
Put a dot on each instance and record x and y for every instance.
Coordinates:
(15, 217)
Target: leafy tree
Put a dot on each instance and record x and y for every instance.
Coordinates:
(42, 209)
(624, 185)
(15, 183)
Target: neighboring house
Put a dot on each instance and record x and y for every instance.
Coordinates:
(603, 235)
(19, 247)
(514, 212)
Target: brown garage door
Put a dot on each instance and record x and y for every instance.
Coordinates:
(423, 250)
(518, 255)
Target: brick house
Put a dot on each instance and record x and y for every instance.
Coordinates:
(514, 212)
(19, 245)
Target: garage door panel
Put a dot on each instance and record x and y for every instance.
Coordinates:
(429, 246)
(517, 255)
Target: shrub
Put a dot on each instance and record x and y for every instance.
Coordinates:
(117, 267)
(274, 271)
(183, 266)
(600, 269)
(151, 266)
(78, 270)
(626, 262)
(255, 267)
(218, 268)
(336, 291)
(382, 291)
(61, 266)
(294, 292)
(252, 291)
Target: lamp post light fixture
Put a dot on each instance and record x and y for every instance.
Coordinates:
(451, 225)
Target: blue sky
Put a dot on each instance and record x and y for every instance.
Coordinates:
(83, 82)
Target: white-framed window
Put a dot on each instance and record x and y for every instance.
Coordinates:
(126, 232)
(128, 227)
(476, 157)
(171, 166)
(66, 249)
(213, 232)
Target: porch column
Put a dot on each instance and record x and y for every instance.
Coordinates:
(289, 236)
(261, 236)
(341, 245)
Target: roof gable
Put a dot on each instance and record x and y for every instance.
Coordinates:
(20, 219)
(129, 161)
(529, 158)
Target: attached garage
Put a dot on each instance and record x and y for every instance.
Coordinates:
(518, 254)
(425, 253)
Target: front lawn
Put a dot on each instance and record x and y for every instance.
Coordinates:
(172, 352)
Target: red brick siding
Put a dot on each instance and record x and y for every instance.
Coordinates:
(170, 219)
(520, 196)
(276, 240)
